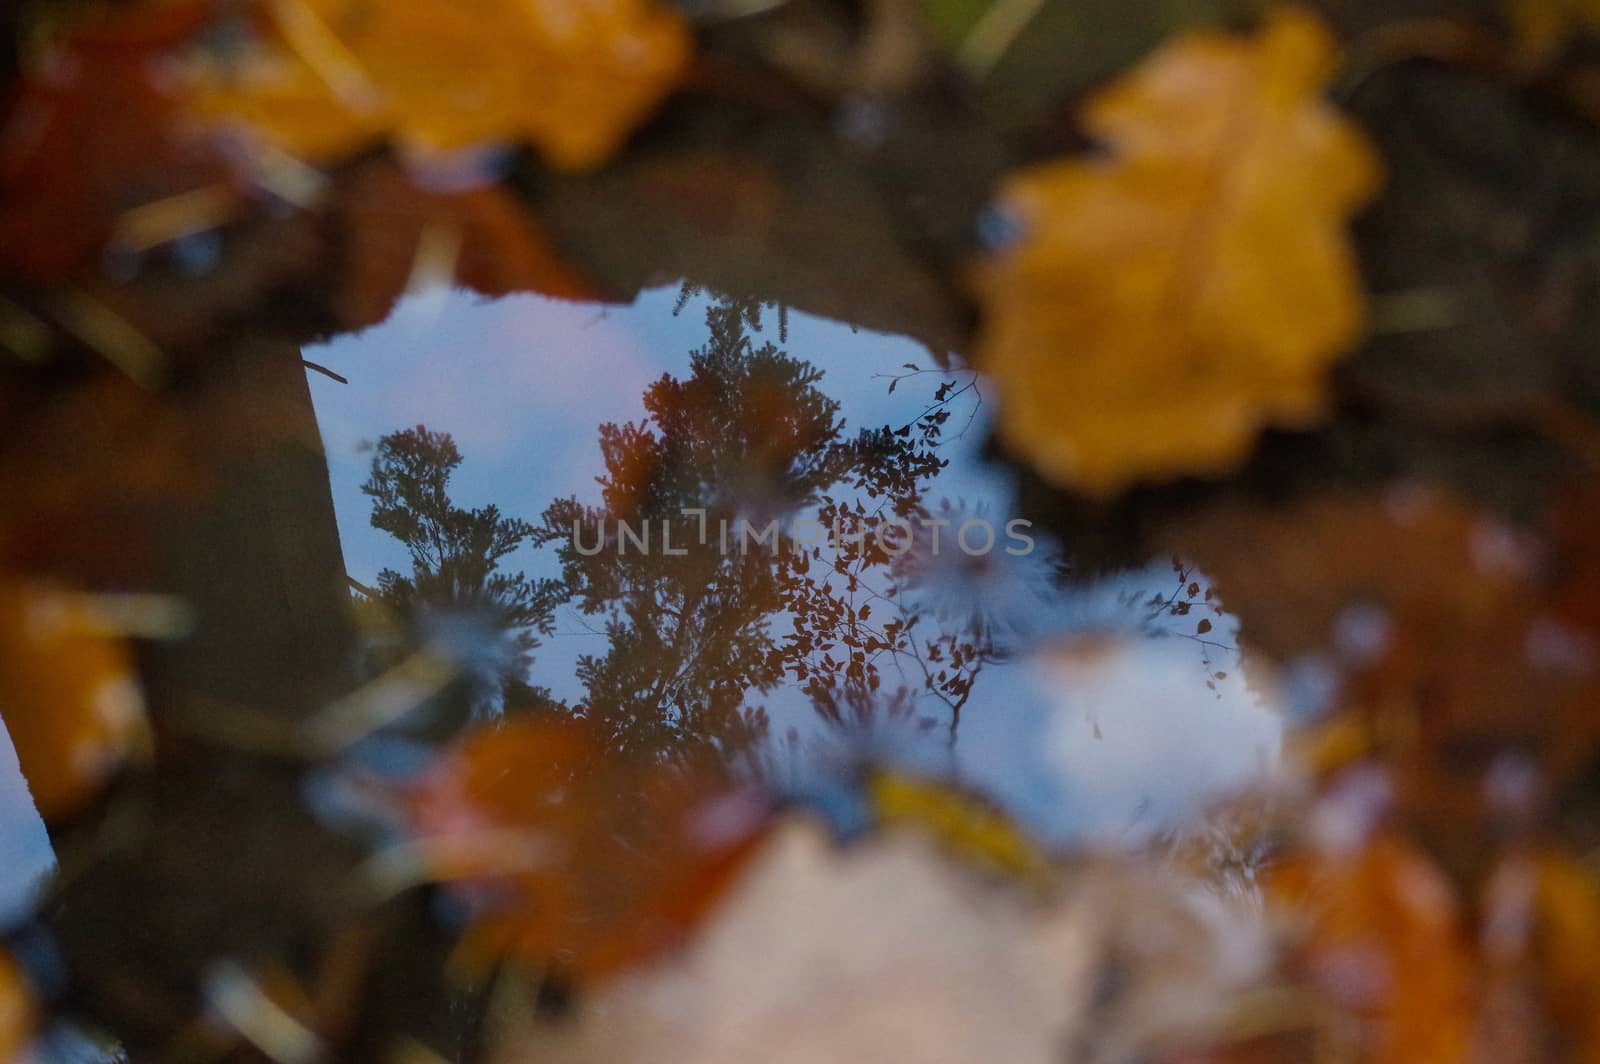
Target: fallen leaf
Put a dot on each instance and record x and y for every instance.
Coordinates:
(883, 951)
(1440, 637)
(68, 695)
(16, 1009)
(328, 77)
(578, 860)
(83, 470)
(1575, 542)
(1540, 945)
(389, 220)
(971, 827)
(92, 140)
(1166, 299)
(1541, 28)
(1380, 936)
(1375, 558)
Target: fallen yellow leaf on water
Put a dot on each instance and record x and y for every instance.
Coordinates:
(1166, 299)
(969, 826)
(571, 78)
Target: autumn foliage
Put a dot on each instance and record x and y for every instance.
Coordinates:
(16, 1009)
(1166, 298)
(324, 78)
(588, 867)
(72, 703)
(1215, 287)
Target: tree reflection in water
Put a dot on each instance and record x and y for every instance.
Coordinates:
(744, 541)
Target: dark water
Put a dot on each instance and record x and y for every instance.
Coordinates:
(1092, 711)
(24, 848)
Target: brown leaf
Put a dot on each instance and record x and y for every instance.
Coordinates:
(1540, 944)
(499, 247)
(1406, 554)
(1379, 935)
(1441, 637)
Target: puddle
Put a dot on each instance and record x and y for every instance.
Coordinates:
(1091, 712)
(25, 854)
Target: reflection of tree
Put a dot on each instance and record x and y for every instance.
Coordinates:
(746, 433)
(1164, 613)
(748, 309)
(748, 437)
(456, 555)
(742, 542)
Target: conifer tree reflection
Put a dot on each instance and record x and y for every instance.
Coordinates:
(456, 577)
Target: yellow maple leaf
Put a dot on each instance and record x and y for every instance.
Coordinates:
(1166, 299)
(572, 78)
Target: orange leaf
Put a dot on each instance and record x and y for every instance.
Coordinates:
(1541, 944)
(16, 1009)
(68, 695)
(1541, 28)
(1381, 939)
(580, 860)
(1168, 298)
(572, 78)
(1409, 553)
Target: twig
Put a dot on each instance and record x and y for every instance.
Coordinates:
(324, 370)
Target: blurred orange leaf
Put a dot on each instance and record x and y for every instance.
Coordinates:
(573, 79)
(1381, 938)
(1441, 634)
(580, 860)
(90, 142)
(68, 695)
(16, 1009)
(1541, 945)
(492, 244)
(1169, 297)
(1407, 553)
(1542, 27)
